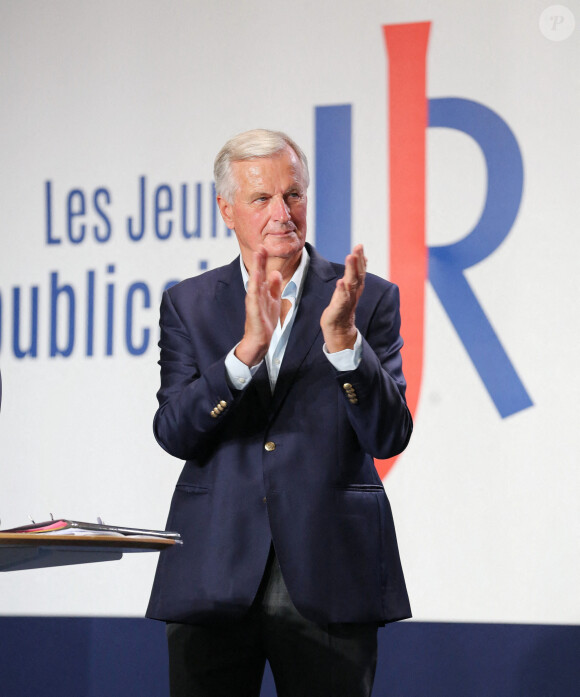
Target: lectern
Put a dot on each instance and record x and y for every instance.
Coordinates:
(20, 551)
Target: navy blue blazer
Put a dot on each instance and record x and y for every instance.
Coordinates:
(294, 468)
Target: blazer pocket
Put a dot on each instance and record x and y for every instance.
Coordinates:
(192, 488)
(363, 488)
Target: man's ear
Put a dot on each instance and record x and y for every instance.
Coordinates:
(226, 211)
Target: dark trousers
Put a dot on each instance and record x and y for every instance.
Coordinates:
(307, 659)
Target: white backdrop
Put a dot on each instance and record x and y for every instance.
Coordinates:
(97, 95)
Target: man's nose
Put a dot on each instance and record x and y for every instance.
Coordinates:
(280, 212)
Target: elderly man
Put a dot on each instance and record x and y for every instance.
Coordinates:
(281, 380)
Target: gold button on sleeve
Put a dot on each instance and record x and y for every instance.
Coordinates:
(270, 446)
(223, 404)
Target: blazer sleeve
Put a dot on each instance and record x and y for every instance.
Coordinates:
(195, 398)
(374, 393)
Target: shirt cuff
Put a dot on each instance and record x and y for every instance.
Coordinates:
(238, 373)
(346, 360)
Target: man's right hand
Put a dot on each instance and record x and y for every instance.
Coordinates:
(263, 301)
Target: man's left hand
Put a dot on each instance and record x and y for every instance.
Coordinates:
(338, 320)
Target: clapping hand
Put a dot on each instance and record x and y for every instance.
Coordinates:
(338, 319)
(263, 302)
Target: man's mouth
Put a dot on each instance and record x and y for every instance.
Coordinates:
(281, 233)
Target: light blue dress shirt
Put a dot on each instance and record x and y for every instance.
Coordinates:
(240, 375)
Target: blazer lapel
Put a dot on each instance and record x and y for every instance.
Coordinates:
(318, 289)
(230, 298)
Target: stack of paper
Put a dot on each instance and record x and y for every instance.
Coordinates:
(63, 526)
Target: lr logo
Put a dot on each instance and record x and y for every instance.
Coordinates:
(410, 113)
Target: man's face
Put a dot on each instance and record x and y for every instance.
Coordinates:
(269, 206)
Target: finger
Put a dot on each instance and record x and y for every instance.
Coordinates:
(355, 266)
(255, 270)
(360, 261)
(261, 260)
(361, 268)
(350, 273)
(275, 285)
(354, 273)
(258, 270)
(343, 295)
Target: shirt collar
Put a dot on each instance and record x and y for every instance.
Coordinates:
(294, 286)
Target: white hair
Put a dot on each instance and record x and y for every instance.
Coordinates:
(248, 146)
